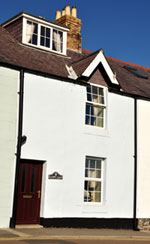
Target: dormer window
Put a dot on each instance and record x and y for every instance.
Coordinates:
(44, 36)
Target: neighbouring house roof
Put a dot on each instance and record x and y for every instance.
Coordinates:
(129, 82)
(14, 53)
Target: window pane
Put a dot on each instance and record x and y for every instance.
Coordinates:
(92, 191)
(94, 90)
(98, 111)
(35, 28)
(92, 163)
(100, 91)
(47, 42)
(95, 98)
(42, 31)
(86, 172)
(100, 99)
(97, 196)
(98, 164)
(34, 39)
(47, 32)
(99, 122)
(87, 120)
(89, 97)
(60, 35)
(42, 41)
(98, 174)
(88, 89)
(87, 109)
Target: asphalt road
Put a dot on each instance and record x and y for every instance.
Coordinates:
(77, 241)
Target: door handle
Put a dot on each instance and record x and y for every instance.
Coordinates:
(39, 193)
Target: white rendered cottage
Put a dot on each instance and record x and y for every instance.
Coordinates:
(78, 123)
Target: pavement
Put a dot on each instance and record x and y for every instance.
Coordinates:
(30, 232)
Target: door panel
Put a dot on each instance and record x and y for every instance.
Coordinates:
(29, 193)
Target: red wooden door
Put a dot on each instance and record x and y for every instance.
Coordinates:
(29, 193)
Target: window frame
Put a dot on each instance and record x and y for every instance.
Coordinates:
(95, 180)
(50, 49)
(100, 105)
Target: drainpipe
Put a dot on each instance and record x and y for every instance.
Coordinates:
(135, 221)
(18, 154)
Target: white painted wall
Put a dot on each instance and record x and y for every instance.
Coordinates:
(143, 157)
(8, 138)
(54, 123)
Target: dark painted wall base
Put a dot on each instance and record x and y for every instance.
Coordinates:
(87, 223)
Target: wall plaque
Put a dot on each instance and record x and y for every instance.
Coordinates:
(55, 176)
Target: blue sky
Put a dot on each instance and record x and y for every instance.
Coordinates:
(120, 27)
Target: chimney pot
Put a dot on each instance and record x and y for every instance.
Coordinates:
(58, 14)
(63, 12)
(67, 10)
(74, 12)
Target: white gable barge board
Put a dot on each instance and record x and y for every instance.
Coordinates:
(100, 58)
(9, 80)
(56, 132)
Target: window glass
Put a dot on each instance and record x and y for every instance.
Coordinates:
(31, 32)
(45, 37)
(93, 180)
(57, 40)
(42, 36)
(95, 106)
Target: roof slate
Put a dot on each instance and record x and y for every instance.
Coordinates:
(129, 82)
(80, 65)
(14, 53)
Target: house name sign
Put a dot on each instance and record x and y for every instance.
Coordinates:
(55, 176)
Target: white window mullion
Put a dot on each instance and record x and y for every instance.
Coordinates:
(39, 34)
(51, 37)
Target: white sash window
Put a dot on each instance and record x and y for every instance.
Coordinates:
(95, 106)
(93, 183)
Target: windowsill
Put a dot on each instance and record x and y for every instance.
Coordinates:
(97, 131)
(44, 49)
(94, 208)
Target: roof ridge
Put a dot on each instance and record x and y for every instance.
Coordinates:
(121, 61)
(136, 65)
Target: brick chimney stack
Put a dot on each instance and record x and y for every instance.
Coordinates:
(68, 17)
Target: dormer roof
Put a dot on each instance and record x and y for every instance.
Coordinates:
(33, 17)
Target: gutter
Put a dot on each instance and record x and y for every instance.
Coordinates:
(18, 154)
(135, 221)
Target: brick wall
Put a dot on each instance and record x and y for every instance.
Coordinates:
(15, 29)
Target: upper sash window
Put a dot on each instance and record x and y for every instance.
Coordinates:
(95, 106)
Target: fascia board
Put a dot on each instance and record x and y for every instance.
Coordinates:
(42, 21)
(100, 58)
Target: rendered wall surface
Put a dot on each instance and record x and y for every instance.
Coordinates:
(8, 138)
(54, 123)
(143, 159)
